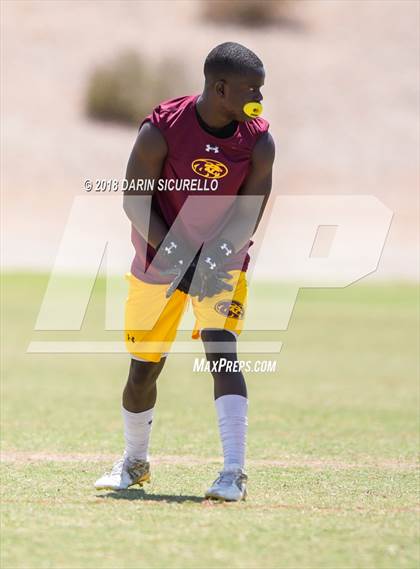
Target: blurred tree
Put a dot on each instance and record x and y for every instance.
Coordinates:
(126, 89)
(248, 12)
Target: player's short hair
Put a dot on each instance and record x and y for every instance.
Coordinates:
(231, 58)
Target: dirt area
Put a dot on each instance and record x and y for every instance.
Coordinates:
(23, 457)
(341, 95)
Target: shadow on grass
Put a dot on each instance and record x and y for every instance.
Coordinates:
(140, 494)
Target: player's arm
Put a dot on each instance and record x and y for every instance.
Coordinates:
(248, 208)
(247, 213)
(242, 222)
(146, 163)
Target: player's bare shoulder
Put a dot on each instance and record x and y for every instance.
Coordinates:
(146, 159)
(259, 179)
(150, 142)
(264, 151)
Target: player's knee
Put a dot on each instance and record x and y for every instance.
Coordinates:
(218, 342)
(143, 375)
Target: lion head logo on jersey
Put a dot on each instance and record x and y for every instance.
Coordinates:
(209, 168)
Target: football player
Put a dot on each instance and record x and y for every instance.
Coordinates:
(215, 156)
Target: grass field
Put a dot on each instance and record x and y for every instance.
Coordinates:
(332, 446)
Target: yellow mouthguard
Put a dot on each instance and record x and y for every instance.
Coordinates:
(253, 109)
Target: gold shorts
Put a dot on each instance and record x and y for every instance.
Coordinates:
(152, 320)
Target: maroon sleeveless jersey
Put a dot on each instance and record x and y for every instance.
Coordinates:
(198, 165)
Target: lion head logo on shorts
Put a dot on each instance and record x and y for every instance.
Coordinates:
(230, 309)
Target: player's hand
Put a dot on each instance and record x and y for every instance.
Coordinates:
(210, 269)
(202, 287)
(182, 281)
(175, 255)
(211, 285)
(176, 274)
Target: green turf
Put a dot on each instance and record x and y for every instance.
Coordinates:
(340, 413)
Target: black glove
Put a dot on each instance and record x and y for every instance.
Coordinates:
(210, 269)
(186, 280)
(175, 255)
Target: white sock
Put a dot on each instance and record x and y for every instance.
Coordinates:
(137, 427)
(233, 423)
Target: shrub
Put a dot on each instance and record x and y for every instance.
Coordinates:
(247, 12)
(126, 89)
